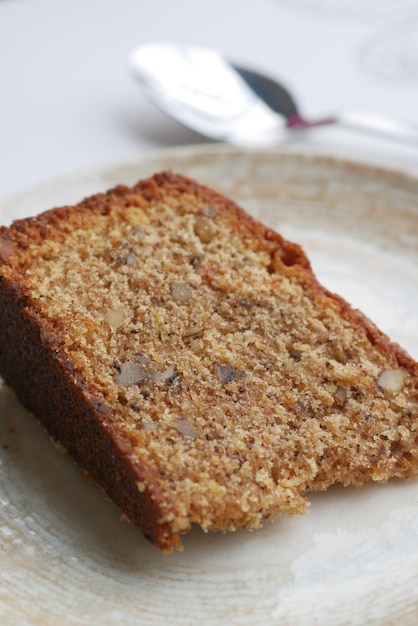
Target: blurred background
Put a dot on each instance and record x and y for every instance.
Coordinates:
(68, 100)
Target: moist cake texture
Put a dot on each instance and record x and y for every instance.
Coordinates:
(188, 359)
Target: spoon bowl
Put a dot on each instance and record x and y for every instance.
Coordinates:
(198, 88)
(228, 102)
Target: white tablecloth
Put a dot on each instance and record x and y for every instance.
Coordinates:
(68, 101)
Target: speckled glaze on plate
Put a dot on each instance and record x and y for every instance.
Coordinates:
(65, 556)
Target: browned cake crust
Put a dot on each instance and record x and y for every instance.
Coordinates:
(187, 358)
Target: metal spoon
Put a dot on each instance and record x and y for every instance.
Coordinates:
(227, 102)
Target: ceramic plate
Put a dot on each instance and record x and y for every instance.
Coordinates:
(65, 556)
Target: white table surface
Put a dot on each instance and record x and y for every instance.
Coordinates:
(67, 100)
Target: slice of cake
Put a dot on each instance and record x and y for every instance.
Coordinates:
(187, 358)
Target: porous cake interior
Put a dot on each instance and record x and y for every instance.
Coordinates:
(241, 386)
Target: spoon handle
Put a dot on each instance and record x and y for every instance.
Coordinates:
(378, 125)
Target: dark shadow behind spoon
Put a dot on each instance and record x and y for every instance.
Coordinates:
(275, 95)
